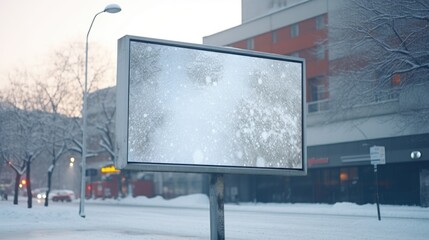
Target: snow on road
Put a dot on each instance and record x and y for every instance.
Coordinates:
(188, 218)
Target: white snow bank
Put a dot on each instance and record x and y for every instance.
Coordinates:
(191, 201)
(343, 208)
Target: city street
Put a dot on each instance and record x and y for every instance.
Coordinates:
(188, 218)
(309, 119)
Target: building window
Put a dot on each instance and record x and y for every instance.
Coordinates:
(318, 95)
(396, 80)
(250, 43)
(278, 3)
(274, 36)
(317, 88)
(320, 22)
(294, 30)
(320, 52)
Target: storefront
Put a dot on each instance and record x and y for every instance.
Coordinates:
(343, 173)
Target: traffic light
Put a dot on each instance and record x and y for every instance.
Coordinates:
(23, 183)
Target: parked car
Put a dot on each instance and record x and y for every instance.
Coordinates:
(62, 195)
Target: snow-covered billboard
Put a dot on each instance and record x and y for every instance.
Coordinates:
(196, 108)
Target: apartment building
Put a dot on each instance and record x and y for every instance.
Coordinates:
(339, 136)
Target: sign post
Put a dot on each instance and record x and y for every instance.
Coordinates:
(217, 219)
(377, 199)
(378, 156)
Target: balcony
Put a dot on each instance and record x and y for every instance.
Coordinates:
(318, 106)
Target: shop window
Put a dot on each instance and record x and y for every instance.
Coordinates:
(349, 175)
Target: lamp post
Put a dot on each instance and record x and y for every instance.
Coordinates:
(111, 8)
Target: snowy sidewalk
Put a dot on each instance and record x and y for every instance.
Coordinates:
(188, 218)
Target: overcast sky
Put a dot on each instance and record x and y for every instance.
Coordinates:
(31, 30)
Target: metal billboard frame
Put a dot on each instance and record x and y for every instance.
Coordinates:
(122, 113)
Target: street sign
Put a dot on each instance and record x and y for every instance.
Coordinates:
(110, 169)
(378, 155)
(91, 172)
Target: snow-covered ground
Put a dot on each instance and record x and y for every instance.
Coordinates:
(188, 218)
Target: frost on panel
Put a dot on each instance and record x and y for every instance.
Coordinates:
(200, 107)
(144, 116)
(268, 124)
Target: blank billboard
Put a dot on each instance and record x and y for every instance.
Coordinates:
(195, 108)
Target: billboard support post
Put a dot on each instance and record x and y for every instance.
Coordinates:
(217, 220)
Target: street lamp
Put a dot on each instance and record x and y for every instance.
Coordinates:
(111, 8)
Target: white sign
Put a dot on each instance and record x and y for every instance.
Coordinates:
(378, 155)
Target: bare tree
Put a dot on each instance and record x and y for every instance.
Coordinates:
(104, 121)
(19, 171)
(64, 78)
(6, 145)
(7, 152)
(47, 106)
(378, 52)
(62, 90)
(53, 98)
(69, 64)
(25, 131)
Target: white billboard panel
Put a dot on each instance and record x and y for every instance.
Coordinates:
(196, 108)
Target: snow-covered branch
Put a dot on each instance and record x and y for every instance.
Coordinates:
(17, 169)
